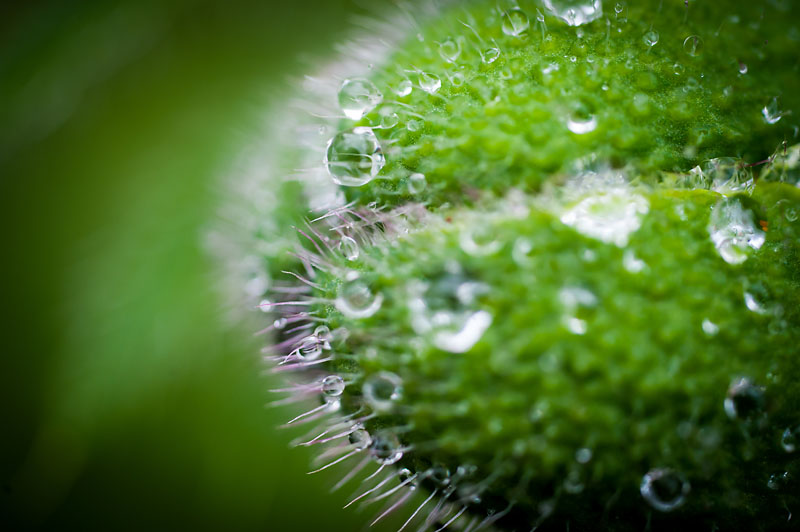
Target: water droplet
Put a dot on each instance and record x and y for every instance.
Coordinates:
(578, 304)
(710, 328)
(416, 183)
(575, 12)
(650, 38)
(445, 310)
(357, 97)
(742, 68)
(309, 349)
(404, 475)
(450, 50)
(619, 7)
(728, 175)
(573, 483)
(580, 123)
(333, 386)
(744, 401)
(430, 83)
(759, 299)
(360, 439)
(515, 22)
(693, 45)
(778, 481)
(389, 119)
(383, 390)
(404, 88)
(771, 112)
(354, 157)
(632, 263)
(678, 69)
(413, 125)
(490, 55)
(280, 323)
(349, 248)
(385, 448)
(790, 439)
(521, 252)
(355, 299)
(664, 489)
(733, 231)
(479, 240)
(583, 455)
(439, 474)
(608, 216)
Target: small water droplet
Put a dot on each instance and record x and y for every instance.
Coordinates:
(744, 401)
(457, 79)
(325, 336)
(404, 475)
(357, 97)
(728, 175)
(742, 68)
(575, 12)
(693, 45)
(333, 386)
(389, 119)
(733, 231)
(416, 183)
(778, 481)
(309, 349)
(354, 157)
(490, 55)
(450, 50)
(632, 263)
(790, 439)
(583, 455)
(521, 252)
(581, 123)
(515, 22)
(664, 489)
(650, 38)
(280, 323)
(404, 88)
(382, 390)
(430, 83)
(360, 438)
(678, 69)
(771, 112)
(355, 299)
(439, 474)
(413, 125)
(619, 7)
(479, 241)
(349, 248)
(710, 328)
(578, 304)
(385, 448)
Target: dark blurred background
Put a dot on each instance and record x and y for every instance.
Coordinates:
(126, 402)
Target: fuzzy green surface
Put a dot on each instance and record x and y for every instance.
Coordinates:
(643, 388)
(502, 124)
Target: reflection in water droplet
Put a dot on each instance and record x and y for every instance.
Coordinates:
(790, 439)
(581, 123)
(710, 328)
(575, 12)
(383, 390)
(664, 489)
(733, 231)
(608, 216)
(650, 38)
(385, 448)
(356, 300)
(744, 401)
(357, 97)
(515, 22)
(693, 45)
(430, 83)
(349, 248)
(353, 158)
(333, 386)
(771, 112)
(450, 50)
(416, 183)
(404, 88)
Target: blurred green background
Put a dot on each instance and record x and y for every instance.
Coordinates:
(127, 402)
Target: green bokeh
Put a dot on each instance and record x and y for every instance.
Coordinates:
(127, 401)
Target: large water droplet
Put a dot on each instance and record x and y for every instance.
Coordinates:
(745, 401)
(355, 299)
(693, 45)
(450, 49)
(385, 448)
(575, 12)
(771, 112)
(333, 386)
(734, 231)
(354, 157)
(383, 390)
(608, 216)
(515, 22)
(664, 489)
(357, 97)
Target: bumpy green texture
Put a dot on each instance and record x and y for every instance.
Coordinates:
(586, 311)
